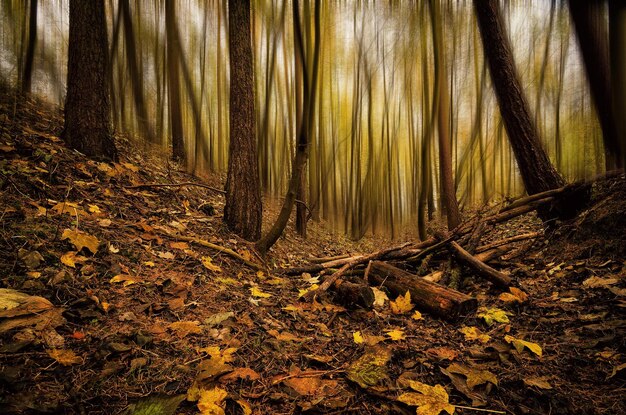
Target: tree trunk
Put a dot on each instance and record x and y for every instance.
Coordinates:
(443, 119)
(617, 39)
(87, 104)
(27, 77)
(173, 83)
(243, 210)
(593, 40)
(535, 167)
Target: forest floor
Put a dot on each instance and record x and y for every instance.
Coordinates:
(112, 302)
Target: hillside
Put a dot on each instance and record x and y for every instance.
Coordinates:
(120, 295)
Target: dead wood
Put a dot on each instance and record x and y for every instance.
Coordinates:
(321, 260)
(222, 249)
(330, 280)
(516, 238)
(496, 277)
(428, 296)
(350, 294)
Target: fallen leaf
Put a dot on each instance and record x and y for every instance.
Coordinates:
(125, 279)
(240, 373)
(31, 259)
(207, 261)
(71, 258)
(105, 223)
(402, 304)
(514, 296)
(597, 282)
(218, 318)
(64, 357)
(179, 245)
(246, 409)
(285, 336)
(540, 382)
(81, 240)
(256, 292)
(357, 337)
(430, 400)
(94, 209)
(493, 315)
(155, 405)
(396, 335)
(370, 369)
(474, 333)
(616, 370)
(183, 328)
(379, 297)
(416, 315)
(474, 376)
(521, 344)
(211, 401)
(443, 353)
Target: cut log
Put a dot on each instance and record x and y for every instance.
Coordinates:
(351, 294)
(496, 277)
(428, 296)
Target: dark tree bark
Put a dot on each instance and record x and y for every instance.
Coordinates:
(173, 83)
(87, 104)
(243, 210)
(27, 77)
(535, 167)
(592, 37)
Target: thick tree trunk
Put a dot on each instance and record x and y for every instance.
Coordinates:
(173, 83)
(87, 104)
(592, 37)
(27, 77)
(535, 167)
(243, 210)
(427, 295)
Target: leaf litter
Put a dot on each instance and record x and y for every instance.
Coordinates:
(109, 306)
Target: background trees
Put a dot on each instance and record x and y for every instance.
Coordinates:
(374, 163)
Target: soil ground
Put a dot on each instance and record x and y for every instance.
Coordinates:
(141, 314)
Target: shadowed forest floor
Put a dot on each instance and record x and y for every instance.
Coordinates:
(121, 303)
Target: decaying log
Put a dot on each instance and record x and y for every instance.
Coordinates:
(351, 294)
(516, 238)
(427, 295)
(330, 280)
(496, 277)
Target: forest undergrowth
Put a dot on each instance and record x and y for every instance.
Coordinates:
(117, 297)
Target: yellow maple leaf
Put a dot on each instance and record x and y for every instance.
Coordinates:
(256, 292)
(473, 333)
(396, 335)
(402, 304)
(492, 315)
(211, 401)
(81, 240)
(416, 315)
(71, 258)
(64, 357)
(207, 261)
(94, 209)
(370, 369)
(520, 344)
(430, 400)
(357, 337)
(303, 291)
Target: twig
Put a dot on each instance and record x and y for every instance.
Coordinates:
(220, 248)
(492, 411)
(144, 185)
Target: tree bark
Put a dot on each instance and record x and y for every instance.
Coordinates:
(87, 104)
(593, 40)
(243, 210)
(27, 77)
(535, 167)
(496, 277)
(617, 41)
(427, 295)
(173, 83)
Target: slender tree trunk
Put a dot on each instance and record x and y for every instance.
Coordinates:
(27, 77)
(173, 83)
(593, 40)
(302, 141)
(443, 120)
(537, 172)
(87, 104)
(243, 210)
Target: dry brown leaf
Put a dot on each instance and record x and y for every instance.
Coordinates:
(65, 357)
(81, 240)
(184, 328)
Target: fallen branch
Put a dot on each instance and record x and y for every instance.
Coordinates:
(330, 280)
(496, 277)
(321, 260)
(516, 238)
(146, 185)
(222, 249)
